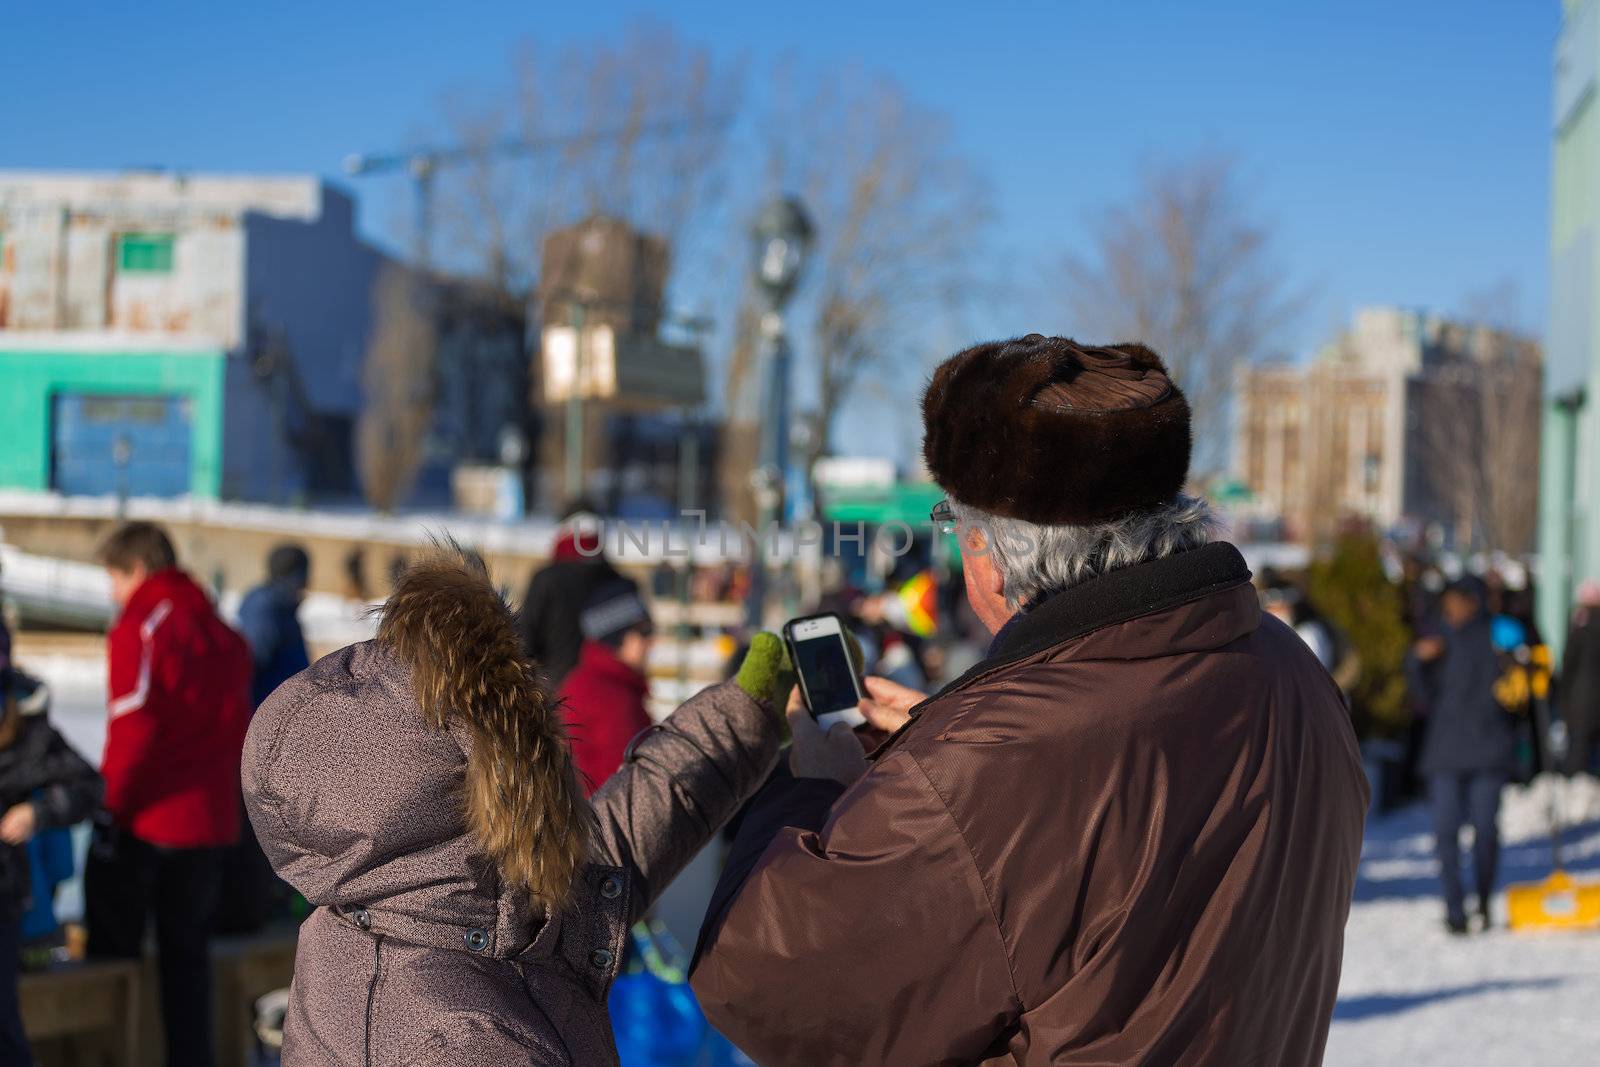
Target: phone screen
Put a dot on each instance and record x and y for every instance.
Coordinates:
(823, 662)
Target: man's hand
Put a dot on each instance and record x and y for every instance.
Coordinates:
(1429, 649)
(18, 824)
(835, 755)
(887, 704)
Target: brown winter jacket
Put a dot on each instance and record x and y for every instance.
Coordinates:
(1129, 836)
(418, 791)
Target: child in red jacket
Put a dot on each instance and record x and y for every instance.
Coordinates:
(179, 705)
(604, 695)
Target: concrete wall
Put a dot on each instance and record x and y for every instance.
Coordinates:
(61, 232)
(313, 282)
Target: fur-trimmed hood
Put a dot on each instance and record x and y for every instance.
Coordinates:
(423, 777)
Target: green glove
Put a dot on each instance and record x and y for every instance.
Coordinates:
(766, 674)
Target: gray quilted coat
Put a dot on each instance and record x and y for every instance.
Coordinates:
(470, 907)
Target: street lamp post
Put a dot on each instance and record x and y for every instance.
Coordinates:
(782, 235)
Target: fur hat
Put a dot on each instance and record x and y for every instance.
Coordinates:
(1052, 432)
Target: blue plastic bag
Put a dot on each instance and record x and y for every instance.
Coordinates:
(657, 1021)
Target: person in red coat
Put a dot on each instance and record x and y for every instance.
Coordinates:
(604, 695)
(178, 707)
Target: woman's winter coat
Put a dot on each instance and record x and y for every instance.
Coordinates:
(471, 908)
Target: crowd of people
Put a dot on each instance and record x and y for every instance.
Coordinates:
(1485, 707)
(1113, 814)
(948, 871)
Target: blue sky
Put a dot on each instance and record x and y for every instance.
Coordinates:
(1400, 148)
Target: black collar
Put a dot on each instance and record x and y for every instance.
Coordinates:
(1105, 600)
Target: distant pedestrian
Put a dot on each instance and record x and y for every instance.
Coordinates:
(1469, 744)
(179, 706)
(604, 696)
(270, 622)
(269, 618)
(355, 575)
(1579, 693)
(44, 785)
(5, 633)
(557, 592)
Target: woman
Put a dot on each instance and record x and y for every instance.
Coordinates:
(470, 906)
(44, 784)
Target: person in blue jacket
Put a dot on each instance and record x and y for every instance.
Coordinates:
(269, 618)
(1469, 747)
(270, 622)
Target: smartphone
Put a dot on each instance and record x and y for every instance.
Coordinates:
(828, 679)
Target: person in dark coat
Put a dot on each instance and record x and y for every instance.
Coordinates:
(551, 635)
(1469, 744)
(1128, 836)
(1579, 693)
(604, 697)
(44, 785)
(269, 619)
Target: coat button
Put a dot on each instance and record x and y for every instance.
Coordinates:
(361, 918)
(601, 958)
(476, 940)
(611, 887)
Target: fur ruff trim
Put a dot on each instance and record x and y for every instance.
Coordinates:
(524, 805)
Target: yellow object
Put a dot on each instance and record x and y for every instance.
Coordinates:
(1557, 903)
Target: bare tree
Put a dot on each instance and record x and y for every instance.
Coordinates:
(1477, 406)
(668, 142)
(397, 380)
(635, 129)
(900, 214)
(1188, 269)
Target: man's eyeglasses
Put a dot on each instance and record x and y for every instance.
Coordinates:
(943, 517)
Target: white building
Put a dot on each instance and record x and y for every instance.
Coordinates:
(167, 334)
(1375, 427)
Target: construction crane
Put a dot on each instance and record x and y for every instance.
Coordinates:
(423, 164)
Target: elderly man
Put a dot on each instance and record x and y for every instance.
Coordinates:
(1127, 836)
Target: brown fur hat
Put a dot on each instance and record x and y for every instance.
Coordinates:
(525, 807)
(1052, 432)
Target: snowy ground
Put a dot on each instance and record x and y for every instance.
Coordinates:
(1414, 995)
(1411, 994)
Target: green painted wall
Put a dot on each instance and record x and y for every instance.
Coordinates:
(1569, 481)
(30, 379)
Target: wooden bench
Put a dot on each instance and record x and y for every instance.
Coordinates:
(106, 1013)
(243, 969)
(91, 1007)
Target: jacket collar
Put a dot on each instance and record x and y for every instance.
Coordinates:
(1112, 598)
(169, 584)
(598, 658)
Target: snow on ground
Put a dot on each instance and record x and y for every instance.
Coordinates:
(1411, 994)
(1414, 995)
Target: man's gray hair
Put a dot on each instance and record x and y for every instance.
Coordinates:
(1034, 559)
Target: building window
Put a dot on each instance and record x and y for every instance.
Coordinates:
(145, 253)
